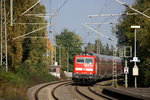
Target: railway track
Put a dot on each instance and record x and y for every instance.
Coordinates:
(57, 83)
(90, 94)
(100, 94)
(54, 89)
(67, 90)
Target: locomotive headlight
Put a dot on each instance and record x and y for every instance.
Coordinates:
(90, 76)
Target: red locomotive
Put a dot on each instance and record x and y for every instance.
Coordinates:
(90, 68)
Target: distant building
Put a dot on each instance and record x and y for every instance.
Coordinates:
(55, 70)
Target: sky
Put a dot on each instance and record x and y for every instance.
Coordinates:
(74, 13)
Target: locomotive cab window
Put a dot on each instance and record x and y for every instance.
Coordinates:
(84, 60)
(80, 60)
(88, 61)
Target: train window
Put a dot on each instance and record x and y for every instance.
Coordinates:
(80, 60)
(85, 60)
(89, 61)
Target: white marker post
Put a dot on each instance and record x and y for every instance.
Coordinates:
(135, 59)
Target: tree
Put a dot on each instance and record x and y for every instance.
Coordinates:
(25, 50)
(98, 46)
(90, 48)
(69, 42)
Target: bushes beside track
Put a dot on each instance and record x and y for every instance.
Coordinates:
(14, 84)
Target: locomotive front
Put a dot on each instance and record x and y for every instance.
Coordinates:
(84, 69)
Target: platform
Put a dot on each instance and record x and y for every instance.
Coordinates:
(128, 93)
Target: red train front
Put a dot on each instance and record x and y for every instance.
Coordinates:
(84, 69)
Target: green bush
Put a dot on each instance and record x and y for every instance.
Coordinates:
(10, 78)
(13, 85)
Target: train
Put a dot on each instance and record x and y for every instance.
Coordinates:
(88, 69)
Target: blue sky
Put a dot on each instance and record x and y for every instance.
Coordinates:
(75, 12)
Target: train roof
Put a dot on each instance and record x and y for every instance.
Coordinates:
(106, 56)
(84, 55)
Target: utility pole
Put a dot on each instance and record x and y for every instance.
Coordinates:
(52, 33)
(4, 60)
(53, 39)
(68, 60)
(11, 12)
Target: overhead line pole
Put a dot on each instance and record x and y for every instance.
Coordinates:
(11, 12)
(4, 59)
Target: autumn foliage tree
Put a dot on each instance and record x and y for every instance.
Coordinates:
(25, 51)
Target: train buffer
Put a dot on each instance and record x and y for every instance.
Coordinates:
(128, 93)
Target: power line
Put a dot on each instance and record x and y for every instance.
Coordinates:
(30, 23)
(98, 32)
(30, 32)
(26, 10)
(61, 6)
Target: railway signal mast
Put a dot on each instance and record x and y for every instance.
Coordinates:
(125, 52)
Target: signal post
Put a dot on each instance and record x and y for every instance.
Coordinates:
(135, 59)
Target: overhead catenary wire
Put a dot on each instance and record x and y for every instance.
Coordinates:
(103, 15)
(30, 23)
(128, 6)
(61, 6)
(41, 15)
(106, 3)
(98, 32)
(26, 11)
(30, 8)
(31, 32)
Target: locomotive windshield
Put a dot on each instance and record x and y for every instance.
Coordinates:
(85, 60)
